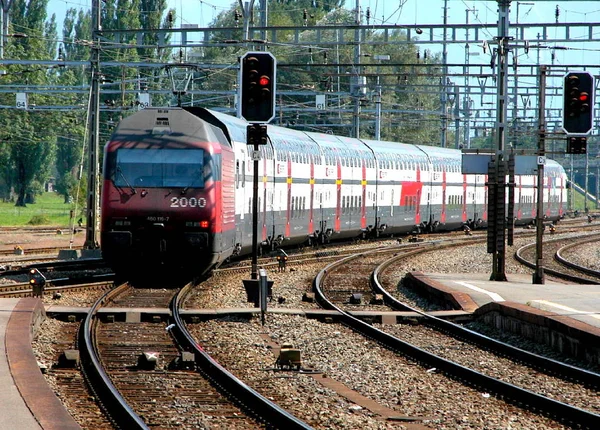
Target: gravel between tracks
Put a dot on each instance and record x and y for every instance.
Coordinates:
(360, 364)
(337, 352)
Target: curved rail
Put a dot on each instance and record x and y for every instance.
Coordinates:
(241, 393)
(109, 397)
(582, 376)
(561, 275)
(562, 260)
(517, 395)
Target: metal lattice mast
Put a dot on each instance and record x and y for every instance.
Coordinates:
(91, 237)
(499, 227)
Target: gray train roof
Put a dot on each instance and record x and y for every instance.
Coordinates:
(158, 126)
(235, 129)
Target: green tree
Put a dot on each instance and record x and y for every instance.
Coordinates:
(410, 80)
(30, 149)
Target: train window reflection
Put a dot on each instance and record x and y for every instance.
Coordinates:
(153, 168)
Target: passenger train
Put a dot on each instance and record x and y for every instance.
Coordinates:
(178, 185)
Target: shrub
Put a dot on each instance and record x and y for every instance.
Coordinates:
(39, 220)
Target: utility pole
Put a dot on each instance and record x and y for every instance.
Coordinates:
(247, 12)
(91, 237)
(443, 83)
(264, 21)
(467, 97)
(379, 58)
(538, 275)
(358, 78)
(497, 229)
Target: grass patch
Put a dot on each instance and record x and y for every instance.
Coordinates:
(49, 209)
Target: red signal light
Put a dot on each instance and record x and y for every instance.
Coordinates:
(264, 81)
(584, 97)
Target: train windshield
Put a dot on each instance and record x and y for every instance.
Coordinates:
(156, 168)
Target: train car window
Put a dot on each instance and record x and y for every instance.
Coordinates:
(243, 173)
(237, 173)
(161, 168)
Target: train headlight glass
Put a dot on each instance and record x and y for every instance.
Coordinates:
(201, 224)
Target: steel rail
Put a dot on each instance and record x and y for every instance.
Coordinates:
(511, 393)
(110, 399)
(571, 278)
(558, 256)
(584, 377)
(246, 397)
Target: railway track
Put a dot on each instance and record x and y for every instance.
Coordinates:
(145, 302)
(27, 252)
(147, 381)
(336, 281)
(61, 277)
(67, 379)
(553, 262)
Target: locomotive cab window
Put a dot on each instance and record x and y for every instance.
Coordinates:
(153, 168)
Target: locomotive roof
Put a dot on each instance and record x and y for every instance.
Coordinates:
(158, 126)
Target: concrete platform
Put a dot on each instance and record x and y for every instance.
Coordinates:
(563, 316)
(27, 401)
(15, 414)
(580, 302)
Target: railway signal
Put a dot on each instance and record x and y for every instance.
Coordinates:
(576, 145)
(37, 281)
(257, 87)
(578, 103)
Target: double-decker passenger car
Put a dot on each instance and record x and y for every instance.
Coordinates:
(178, 187)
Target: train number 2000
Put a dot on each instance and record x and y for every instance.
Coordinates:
(184, 202)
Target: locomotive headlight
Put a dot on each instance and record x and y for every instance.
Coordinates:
(201, 224)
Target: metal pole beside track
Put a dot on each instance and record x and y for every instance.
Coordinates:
(538, 275)
(254, 273)
(499, 254)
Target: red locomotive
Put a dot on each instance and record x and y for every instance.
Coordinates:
(177, 190)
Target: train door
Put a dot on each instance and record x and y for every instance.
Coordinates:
(240, 195)
(328, 196)
(425, 177)
(227, 213)
(268, 191)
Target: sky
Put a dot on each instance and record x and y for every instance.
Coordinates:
(407, 12)
(202, 12)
